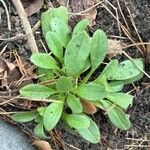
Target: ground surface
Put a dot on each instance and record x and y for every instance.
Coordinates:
(140, 112)
(12, 139)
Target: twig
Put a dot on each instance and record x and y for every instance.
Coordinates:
(7, 13)
(60, 140)
(127, 33)
(122, 15)
(54, 140)
(133, 139)
(145, 43)
(36, 26)
(138, 144)
(20, 65)
(6, 117)
(117, 16)
(68, 4)
(88, 9)
(7, 101)
(45, 49)
(146, 146)
(3, 50)
(135, 64)
(23, 16)
(135, 28)
(118, 37)
(71, 146)
(12, 39)
(131, 91)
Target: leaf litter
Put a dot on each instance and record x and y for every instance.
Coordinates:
(80, 9)
(42, 145)
(32, 6)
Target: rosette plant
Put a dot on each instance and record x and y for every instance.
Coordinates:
(64, 86)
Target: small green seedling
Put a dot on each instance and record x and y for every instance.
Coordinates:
(72, 53)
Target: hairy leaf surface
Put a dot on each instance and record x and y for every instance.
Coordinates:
(76, 54)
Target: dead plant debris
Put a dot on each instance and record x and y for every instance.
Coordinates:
(32, 6)
(42, 145)
(82, 9)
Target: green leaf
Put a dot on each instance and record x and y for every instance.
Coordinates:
(45, 74)
(46, 17)
(74, 103)
(87, 65)
(52, 115)
(61, 13)
(99, 48)
(91, 134)
(24, 116)
(35, 91)
(127, 69)
(103, 82)
(121, 99)
(77, 120)
(109, 70)
(91, 91)
(41, 110)
(54, 45)
(117, 116)
(63, 70)
(76, 54)
(81, 26)
(43, 60)
(39, 130)
(45, 21)
(116, 86)
(63, 84)
(60, 30)
(38, 118)
(136, 78)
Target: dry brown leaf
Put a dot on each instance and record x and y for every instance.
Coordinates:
(29, 68)
(32, 6)
(11, 81)
(10, 65)
(27, 76)
(114, 48)
(76, 6)
(91, 13)
(88, 107)
(13, 74)
(10, 74)
(42, 145)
